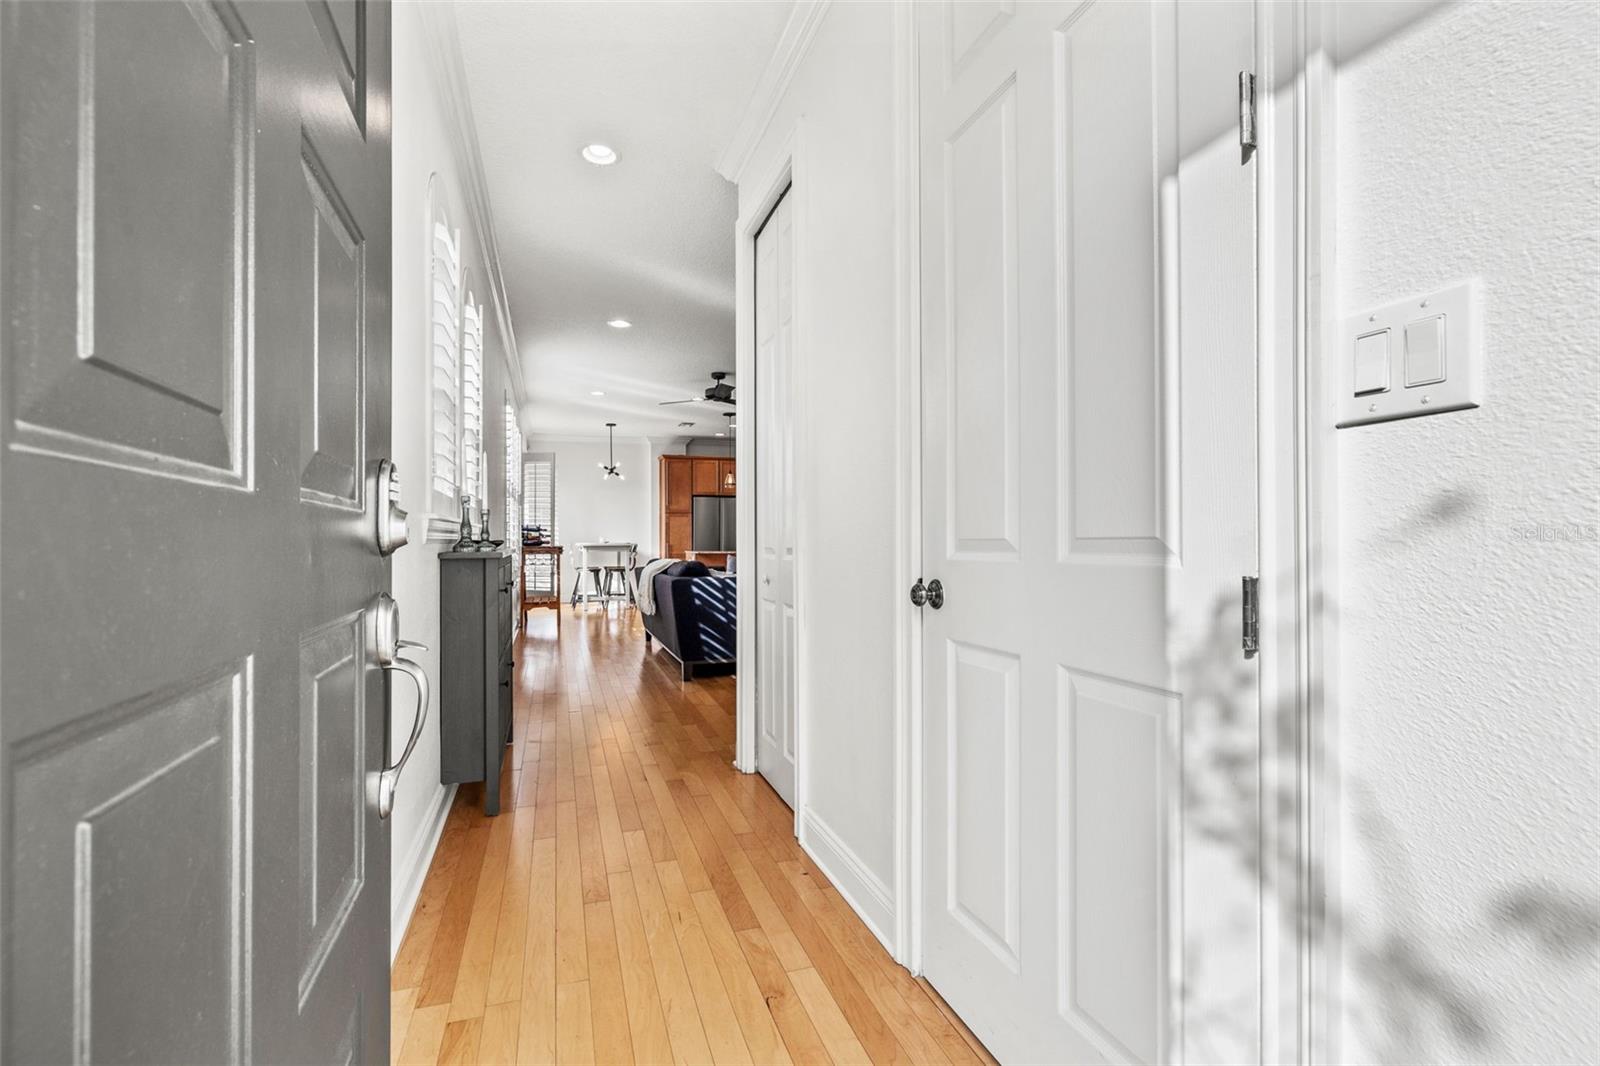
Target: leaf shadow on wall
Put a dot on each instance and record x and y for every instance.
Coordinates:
(1414, 991)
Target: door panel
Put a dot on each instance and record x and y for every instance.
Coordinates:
(99, 373)
(1089, 464)
(980, 328)
(1115, 352)
(983, 830)
(775, 559)
(196, 379)
(109, 807)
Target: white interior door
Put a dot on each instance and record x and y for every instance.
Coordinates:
(775, 621)
(1090, 880)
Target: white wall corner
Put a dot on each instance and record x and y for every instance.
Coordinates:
(804, 18)
(417, 861)
(864, 890)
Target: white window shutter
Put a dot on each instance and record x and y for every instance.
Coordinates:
(473, 475)
(539, 509)
(444, 388)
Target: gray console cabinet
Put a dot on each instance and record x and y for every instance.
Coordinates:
(476, 620)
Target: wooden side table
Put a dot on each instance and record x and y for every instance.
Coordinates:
(552, 599)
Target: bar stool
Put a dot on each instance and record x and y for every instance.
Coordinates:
(617, 585)
(595, 575)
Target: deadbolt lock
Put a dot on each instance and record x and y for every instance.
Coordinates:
(392, 532)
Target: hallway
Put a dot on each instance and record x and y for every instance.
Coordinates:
(639, 900)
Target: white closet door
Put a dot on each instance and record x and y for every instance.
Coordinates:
(1091, 727)
(775, 621)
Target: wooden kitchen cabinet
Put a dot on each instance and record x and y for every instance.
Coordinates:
(707, 477)
(677, 479)
(679, 534)
(682, 478)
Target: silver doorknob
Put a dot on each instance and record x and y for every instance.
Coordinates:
(936, 594)
(919, 594)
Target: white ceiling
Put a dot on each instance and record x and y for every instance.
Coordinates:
(648, 239)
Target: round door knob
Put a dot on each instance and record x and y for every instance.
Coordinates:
(935, 594)
(919, 594)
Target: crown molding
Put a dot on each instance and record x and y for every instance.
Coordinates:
(804, 18)
(444, 53)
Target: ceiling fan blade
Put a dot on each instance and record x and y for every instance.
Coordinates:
(669, 403)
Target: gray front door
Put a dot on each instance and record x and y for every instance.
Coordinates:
(195, 249)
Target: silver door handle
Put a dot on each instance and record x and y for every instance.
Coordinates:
(389, 778)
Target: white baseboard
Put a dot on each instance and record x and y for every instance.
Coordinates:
(416, 867)
(866, 893)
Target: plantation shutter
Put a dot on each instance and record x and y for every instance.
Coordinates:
(444, 342)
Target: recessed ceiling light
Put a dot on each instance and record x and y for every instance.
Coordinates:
(596, 392)
(722, 434)
(619, 323)
(600, 155)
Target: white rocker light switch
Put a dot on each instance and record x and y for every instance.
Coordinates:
(1440, 365)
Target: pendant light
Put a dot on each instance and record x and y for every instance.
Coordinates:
(611, 469)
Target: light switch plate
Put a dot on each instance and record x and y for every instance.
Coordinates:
(1457, 310)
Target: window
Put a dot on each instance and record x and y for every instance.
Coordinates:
(474, 478)
(513, 482)
(539, 511)
(513, 527)
(444, 341)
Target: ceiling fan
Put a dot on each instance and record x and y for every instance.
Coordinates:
(719, 392)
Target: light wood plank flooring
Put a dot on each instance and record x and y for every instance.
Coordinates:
(639, 900)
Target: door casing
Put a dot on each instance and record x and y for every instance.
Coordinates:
(775, 183)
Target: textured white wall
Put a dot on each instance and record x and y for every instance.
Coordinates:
(1469, 899)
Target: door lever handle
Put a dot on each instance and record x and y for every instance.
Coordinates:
(389, 777)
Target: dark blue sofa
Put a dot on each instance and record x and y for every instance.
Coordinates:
(695, 619)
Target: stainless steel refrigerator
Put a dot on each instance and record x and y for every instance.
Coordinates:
(714, 524)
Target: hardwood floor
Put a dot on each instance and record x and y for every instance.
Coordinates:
(639, 899)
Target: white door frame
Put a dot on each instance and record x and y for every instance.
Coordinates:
(907, 550)
(773, 179)
(1297, 529)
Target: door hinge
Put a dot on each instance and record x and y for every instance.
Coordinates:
(1247, 116)
(1250, 641)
